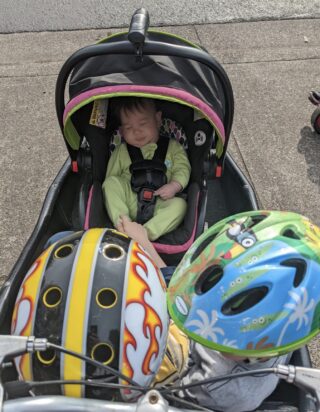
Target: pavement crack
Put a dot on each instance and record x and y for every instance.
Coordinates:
(268, 61)
(35, 62)
(197, 34)
(28, 76)
(245, 20)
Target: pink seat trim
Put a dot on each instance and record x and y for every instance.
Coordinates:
(171, 249)
(88, 209)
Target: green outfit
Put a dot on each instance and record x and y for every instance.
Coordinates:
(121, 200)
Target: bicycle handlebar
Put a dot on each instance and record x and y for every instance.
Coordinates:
(12, 346)
(151, 401)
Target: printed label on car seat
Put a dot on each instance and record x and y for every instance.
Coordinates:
(99, 113)
(199, 138)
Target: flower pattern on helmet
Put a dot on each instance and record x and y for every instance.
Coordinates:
(204, 326)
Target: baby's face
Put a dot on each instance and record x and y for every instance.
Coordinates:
(140, 126)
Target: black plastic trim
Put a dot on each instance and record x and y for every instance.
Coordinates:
(245, 183)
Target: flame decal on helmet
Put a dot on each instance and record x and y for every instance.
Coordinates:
(23, 307)
(145, 319)
(23, 313)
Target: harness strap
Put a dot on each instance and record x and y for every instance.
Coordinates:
(160, 153)
(147, 176)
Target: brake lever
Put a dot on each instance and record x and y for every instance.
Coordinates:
(305, 378)
(12, 346)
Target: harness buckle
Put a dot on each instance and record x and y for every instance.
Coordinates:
(146, 204)
(147, 195)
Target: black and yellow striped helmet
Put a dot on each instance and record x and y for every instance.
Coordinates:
(98, 293)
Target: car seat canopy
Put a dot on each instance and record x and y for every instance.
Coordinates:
(166, 78)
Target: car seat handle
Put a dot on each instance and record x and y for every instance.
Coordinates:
(138, 27)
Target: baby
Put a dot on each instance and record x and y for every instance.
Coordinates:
(140, 124)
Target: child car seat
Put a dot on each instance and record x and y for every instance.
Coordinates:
(179, 122)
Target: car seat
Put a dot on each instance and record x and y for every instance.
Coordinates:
(180, 122)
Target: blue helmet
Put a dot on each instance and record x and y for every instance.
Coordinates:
(257, 299)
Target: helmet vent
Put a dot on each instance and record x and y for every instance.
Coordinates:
(103, 352)
(52, 297)
(63, 251)
(244, 301)
(255, 220)
(300, 266)
(106, 298)
(202, 246)
(47, 357)
(208, 279)
(113, 252)
(290, 233)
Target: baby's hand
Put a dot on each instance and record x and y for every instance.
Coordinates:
(133, 229)
(169, 190)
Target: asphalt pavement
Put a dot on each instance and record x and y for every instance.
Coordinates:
(41, 15)
(272, 66)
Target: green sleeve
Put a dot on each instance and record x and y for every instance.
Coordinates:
(115, 164)
(180, 164)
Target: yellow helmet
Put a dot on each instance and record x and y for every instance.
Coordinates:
(100, 294)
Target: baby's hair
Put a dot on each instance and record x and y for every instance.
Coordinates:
(131, 103)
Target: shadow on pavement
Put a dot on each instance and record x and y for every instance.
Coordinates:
(309, 146)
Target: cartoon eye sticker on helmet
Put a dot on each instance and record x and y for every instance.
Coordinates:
(241, 235)
(264, 321)
(253, 259)
(247, 241)
(181, 306)
(235, 282)
(242, 282)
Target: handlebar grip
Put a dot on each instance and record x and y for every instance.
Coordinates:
(138, 26)
(17, 389)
